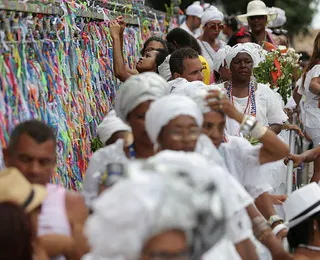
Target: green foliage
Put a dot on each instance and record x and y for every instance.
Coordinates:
(96, 144)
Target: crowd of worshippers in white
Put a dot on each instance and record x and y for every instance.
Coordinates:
(193, 135)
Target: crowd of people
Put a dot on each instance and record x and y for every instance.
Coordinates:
(193, 163)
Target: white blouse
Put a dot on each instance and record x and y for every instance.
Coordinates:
(312, 112)
(242, 160)
(268, 109)
(210, 54)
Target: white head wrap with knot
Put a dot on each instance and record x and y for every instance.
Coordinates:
(110, 125)
(138, 89)
(211, 14)
(156, 198)
(164, 109)
(164, 69)
(280, 20)
(254, 50)
(197, 91)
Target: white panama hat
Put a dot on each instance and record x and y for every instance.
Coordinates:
(255, 8)
(302, 204)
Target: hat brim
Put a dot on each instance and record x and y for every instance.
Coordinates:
(297, 221)
(40, 194)
(244, 17)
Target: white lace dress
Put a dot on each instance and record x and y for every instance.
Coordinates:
(269, 111)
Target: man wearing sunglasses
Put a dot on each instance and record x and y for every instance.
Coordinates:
(258, 15)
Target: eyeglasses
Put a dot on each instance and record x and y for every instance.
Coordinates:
(215, 26)
(190, 135)
(259, 17)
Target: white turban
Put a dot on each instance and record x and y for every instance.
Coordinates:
(164, 69)
(197, 91)
(211, 14)
(254, 50)
(110, 125)
(156, 198)
(280, 20)
(138, 89)
(163, 110)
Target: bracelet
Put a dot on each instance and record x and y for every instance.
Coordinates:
(273, 219)
(258, 130)
(260, 227)
(279, 228)
(247, 124)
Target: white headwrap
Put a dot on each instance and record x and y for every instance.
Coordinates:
(110, 125)
(164, 69)
(163, 110)
(211, 14)
(280, 20)
(254, 50)
(154, 199)
(138, 89)
(197, 91)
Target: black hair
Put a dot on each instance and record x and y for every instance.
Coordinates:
(303, 233)
(177, 58)
(161, 56)
(38, 130)
(153, 39)
(179, 38)
(16, 233)
(232, 22)
(240, 35)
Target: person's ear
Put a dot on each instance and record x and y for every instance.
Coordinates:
(176, 75)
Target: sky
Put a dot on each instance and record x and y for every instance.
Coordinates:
(316, 20)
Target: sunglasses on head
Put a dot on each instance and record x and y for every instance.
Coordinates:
(259, 17)
(215, 26)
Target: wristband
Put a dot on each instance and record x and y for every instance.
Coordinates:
(248, 124)
(273, 219)
(279, 228)
(258, 131)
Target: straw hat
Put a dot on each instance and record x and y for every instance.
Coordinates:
(14, 187)
(255, 8)
(302, 204)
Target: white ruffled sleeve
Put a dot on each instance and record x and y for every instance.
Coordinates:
(244, 164)
(275, 113)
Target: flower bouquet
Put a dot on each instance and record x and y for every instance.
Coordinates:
(278, 69)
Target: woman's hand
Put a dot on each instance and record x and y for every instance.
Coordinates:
(115, 29)
(218, 101)
(122, 24)
(296, 128)
(277, 199)
(296, 158)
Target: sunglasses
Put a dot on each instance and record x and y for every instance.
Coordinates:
(259, 17)
(215, 26)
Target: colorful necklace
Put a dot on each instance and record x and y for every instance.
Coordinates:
(251, 108)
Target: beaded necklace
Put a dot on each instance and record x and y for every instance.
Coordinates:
(251, 108)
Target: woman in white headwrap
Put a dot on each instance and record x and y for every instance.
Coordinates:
(174, 123)
(133, 100)
(212, 22)
(162, 210)
(241, 158)
(113, 128)
(256, 100)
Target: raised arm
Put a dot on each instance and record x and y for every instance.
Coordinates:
(119, 67)
(273, 148)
